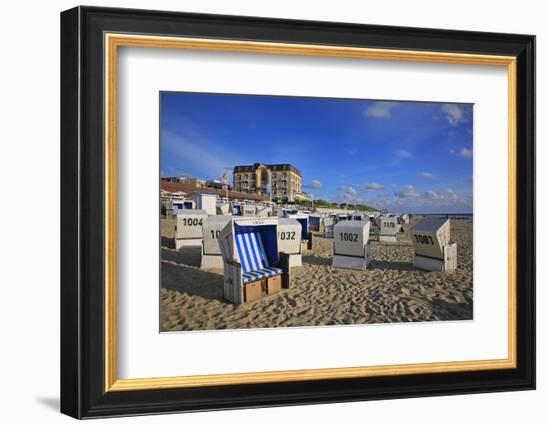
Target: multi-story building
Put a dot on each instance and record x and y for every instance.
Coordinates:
(282, 181)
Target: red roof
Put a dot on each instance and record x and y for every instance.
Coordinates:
(189, 188)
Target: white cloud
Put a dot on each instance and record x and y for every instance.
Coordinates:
(408, 191)
(427, 175)
(380, 110)
(349, 190)
(466, 153)
(372, 187)
(433, 195)
(463, 152)
(451, 194)
(410, 200)
(348, 194)
(315, 184)
(402, 153)
(453, 113)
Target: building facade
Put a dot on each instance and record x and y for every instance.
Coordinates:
(282, 181)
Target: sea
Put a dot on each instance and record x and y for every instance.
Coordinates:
(454, 216)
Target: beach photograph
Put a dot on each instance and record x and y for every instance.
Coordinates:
(279, 211)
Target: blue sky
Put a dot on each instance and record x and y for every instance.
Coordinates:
(402, 156)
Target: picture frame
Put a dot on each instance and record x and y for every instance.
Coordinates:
(90, 39)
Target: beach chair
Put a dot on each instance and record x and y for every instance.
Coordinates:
(189, 228)
(252, 263)
(263, 211)
(329, 231)
(433, 249)
(236, 209)
(307, 237)
(315, 224)
(212, 226)
(388, 227)
(352, 248)
(248, 210)
(289, 238)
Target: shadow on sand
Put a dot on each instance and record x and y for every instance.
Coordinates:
(189, 256)
(316, 261)
(393, 265)
(167, 242)
(192, 281)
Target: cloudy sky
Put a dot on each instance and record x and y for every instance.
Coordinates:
(402, 156)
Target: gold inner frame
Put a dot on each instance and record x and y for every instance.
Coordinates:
(113, 41)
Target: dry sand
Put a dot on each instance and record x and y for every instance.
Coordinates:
(390, 290)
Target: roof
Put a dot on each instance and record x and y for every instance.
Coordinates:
(429, 224)
(272, 167)
(188, 188)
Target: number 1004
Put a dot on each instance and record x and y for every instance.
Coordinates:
(423, 239)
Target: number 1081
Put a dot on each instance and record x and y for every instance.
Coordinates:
(423, 239)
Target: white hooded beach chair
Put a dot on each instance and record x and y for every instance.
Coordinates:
(179, 205)
(352, 248)
(211, 228)
(251, 259)
(189, 228)
(248, 210)
(433, 250)
(205, 201)
(223, 208)
(327, 224)
(263, 211)
(289, 238)
(236, 209)
(315, 224)
(388, 227)
(307, 237)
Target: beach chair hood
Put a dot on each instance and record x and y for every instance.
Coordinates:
(430, 236)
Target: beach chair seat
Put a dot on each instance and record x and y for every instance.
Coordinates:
(252, 256)
(261, 274)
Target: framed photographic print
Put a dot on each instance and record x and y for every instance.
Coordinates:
(261, 212)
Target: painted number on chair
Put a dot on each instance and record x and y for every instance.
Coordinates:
(388, 224)
(191, 221)
(423, 239)
(349, 237)
(287, 236)
(215, 234)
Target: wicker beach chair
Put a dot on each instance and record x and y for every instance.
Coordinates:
(251, 259)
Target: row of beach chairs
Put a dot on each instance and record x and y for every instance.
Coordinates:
(258, 254)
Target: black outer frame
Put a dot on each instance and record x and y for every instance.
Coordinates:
(82, 207)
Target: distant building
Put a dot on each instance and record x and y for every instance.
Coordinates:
(282, 181)
(171, 188)
(186, 180)
(215, 184)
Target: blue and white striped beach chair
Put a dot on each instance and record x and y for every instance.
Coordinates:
(250, 252)
(252, 256)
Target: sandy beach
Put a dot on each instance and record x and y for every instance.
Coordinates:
(391, 290)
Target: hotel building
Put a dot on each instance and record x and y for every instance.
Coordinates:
(282, 181)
